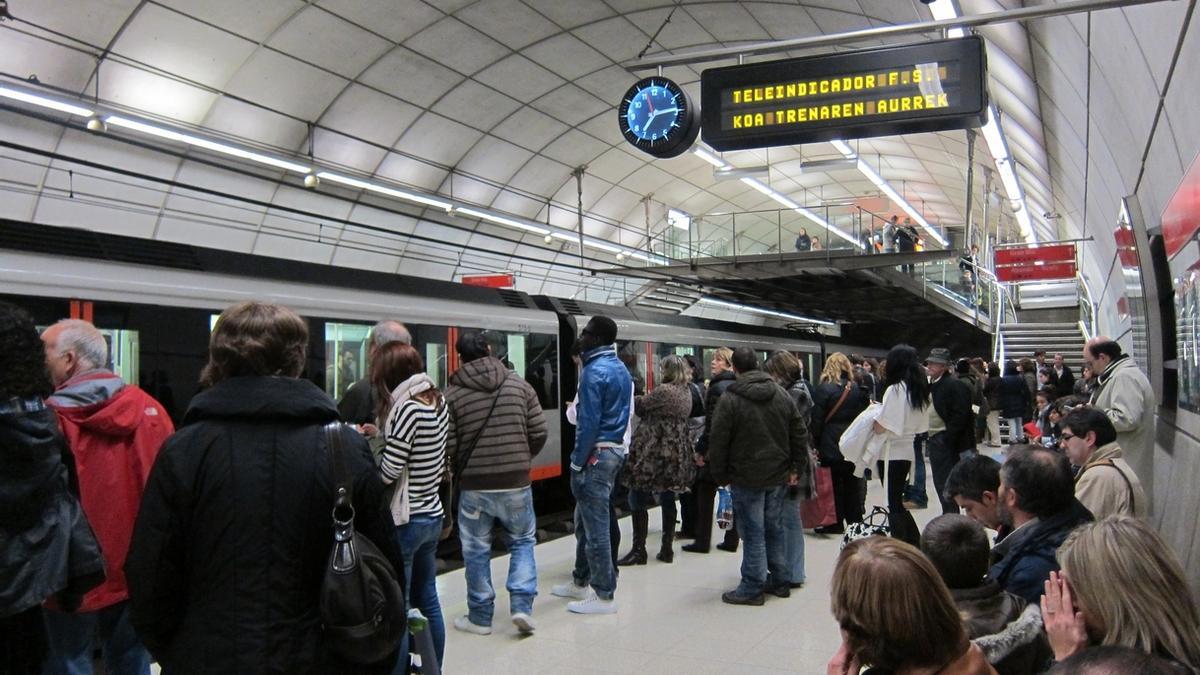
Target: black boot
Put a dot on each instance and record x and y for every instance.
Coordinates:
(637, 554)
(666, 553)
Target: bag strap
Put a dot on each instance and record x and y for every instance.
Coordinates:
(1128, 483)
(838, 405)
(465, 455)
(342, 482)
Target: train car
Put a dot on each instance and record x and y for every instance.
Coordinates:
(157, 302)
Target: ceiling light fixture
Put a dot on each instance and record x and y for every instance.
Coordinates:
(500, 220)
(383, 190)
(994, 135)
(709, 157)
(738, 172)
(171, 135)
(759, 310)
(781, 199)
(25, 96)
(873, 176)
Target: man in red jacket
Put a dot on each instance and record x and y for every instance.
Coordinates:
(114, 430)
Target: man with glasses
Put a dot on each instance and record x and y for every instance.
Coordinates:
(602, 416)
(1105, 484)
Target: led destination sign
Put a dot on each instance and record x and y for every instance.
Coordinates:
(879, 92)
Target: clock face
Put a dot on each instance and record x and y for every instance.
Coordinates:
(658, 117)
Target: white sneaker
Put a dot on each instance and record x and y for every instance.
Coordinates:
(465, 624)
(592, 604)
(524, 623)
(570, 590)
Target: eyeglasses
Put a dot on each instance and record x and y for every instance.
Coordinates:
(1064, 437)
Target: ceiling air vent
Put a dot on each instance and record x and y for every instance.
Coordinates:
(571, 306)
(513, 299)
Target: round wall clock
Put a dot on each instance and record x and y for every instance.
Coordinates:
(658, 117)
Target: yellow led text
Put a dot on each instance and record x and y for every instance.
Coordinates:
(833, 85)
(815, 113)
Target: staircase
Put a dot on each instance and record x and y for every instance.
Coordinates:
(1020, 340)
(664, 296)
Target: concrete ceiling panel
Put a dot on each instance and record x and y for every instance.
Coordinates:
(494, 159)
(26, 56)
(154, 94)
(509, 21)
(530, 129)
(94, 23)
(438, 139)
(456, 45)
(365, 113)
(286, 84)
(396, 20)
(521, 78)
(321, 37)
(183, 46)
(566, 56)
(475, 105)
(254, 21)
(410, 77)
(571, 13)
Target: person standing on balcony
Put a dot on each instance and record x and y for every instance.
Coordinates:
(803, 241)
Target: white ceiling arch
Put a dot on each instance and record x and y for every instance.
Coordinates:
(495, 102)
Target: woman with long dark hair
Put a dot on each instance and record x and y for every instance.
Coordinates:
(412, 414)
(904, 415)
(46, 546)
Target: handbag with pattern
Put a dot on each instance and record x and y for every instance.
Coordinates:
(876, 524)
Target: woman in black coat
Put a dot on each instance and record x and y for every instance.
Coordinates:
(829, 421)
(704, 488)
(47, 549)
(235, 528)
(1015, 401)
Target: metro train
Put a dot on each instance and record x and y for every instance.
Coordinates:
(157, 302)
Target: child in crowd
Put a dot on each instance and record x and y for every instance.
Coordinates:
(1003, 625)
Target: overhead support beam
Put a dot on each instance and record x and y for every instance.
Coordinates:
(850, 37)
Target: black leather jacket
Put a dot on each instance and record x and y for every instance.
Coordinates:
(46, 545)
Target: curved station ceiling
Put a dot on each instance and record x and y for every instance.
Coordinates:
(462, 136)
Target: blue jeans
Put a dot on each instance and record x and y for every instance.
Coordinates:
(73, 639)
(915, 491)
(592, 487)
(758, 514)
(513, 510)
(793, 539)
(418, 543)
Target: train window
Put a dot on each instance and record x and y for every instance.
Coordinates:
(633, 355)
(435, 363)
(345, 356)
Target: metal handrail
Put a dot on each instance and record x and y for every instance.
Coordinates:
(1090, 326)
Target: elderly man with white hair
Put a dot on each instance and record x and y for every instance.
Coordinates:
(357, 405)
(114, 431)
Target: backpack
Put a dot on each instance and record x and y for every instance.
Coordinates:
(361, 602)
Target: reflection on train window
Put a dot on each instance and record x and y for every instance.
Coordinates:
(435, 363)
(1187, 337)
(633, 355)
(346, 352)
(533, 356)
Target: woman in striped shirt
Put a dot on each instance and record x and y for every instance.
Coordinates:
(413, 415)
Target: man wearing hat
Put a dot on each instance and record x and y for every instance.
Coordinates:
(951, 422)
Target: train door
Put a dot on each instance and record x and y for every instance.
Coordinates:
(346, 349)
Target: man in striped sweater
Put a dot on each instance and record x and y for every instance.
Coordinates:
(496, 428)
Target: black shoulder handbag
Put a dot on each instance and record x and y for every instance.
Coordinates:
(361, 603)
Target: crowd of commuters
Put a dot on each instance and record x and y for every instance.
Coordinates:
(126, 538)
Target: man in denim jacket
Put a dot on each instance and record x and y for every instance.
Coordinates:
(602, 416)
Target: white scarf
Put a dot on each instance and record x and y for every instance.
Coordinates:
(411, 387)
